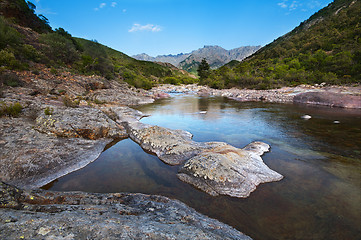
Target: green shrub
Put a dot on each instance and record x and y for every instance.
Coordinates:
(10, 79)
(8, 59)
(30, 53)
(59, 48)
(53, 71)
(172, 80)
(8, 35)
(48, 111)
(12, 110)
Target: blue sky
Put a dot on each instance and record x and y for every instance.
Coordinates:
(173, 26)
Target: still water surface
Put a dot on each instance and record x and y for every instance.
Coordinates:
(319, 198)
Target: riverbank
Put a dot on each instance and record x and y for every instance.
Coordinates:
(53, 124)
(350, 95)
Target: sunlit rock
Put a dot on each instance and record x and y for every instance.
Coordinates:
(227, 170)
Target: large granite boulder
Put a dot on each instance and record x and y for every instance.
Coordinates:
(216, 168)
(171, 146)
(74, 215)
(32, 159)
(227, 170)
(329, 99)
(85, 122)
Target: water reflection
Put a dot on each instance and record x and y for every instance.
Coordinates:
(319, 198)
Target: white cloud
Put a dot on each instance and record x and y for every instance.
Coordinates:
(290, 6)
(282, 4)
(149, 28)
(113, 4)
(102, 5)
(124, 10)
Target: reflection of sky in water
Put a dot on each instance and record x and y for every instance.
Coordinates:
(319, 198)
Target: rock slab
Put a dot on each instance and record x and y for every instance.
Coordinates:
(214, 167)
(32, 159)
(74, 215)
(227, 170)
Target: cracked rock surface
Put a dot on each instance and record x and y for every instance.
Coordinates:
(227, 170)
(216, 168)
(74, 215)
(32, 159)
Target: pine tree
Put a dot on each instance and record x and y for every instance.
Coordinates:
(203, 69)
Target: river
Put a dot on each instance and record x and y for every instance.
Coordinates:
(319, 198)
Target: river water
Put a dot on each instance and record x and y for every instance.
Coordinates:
(319, 198)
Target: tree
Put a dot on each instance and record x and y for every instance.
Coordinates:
(203, 69)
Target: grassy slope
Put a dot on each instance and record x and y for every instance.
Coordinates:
(325, 48)
(21, 47)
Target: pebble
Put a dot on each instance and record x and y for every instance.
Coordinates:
(306, 117)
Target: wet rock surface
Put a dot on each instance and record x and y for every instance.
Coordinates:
(74, 215)
(227, 170)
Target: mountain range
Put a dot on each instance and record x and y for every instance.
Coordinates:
(216, 57)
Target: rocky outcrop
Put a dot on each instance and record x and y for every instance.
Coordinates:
(171, 146)
(119, 96)
(54, 215)
(329, 99)
(32, 159)
(86, 122)
(227, 170)
(216, 168)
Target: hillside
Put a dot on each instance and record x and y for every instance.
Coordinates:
(27, 40)
(215, 55)
(324, 48)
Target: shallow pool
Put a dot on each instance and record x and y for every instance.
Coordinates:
(319, 198)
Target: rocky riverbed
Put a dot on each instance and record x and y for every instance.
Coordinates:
(66, 121)
(333, 96)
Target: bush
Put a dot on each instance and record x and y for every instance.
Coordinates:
(59, 48)
(172, 80)
(12, 110)
(48, 111)
(10, 80)
(8, 35)
(8, 59)
(30, 53)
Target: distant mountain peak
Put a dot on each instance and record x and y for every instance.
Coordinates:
(214, 54)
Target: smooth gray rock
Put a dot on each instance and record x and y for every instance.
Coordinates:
(216, 168)
(76, 215)
(32, 159)
(227, 170)
(85, 122)
(119, 95)
(171, 146)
